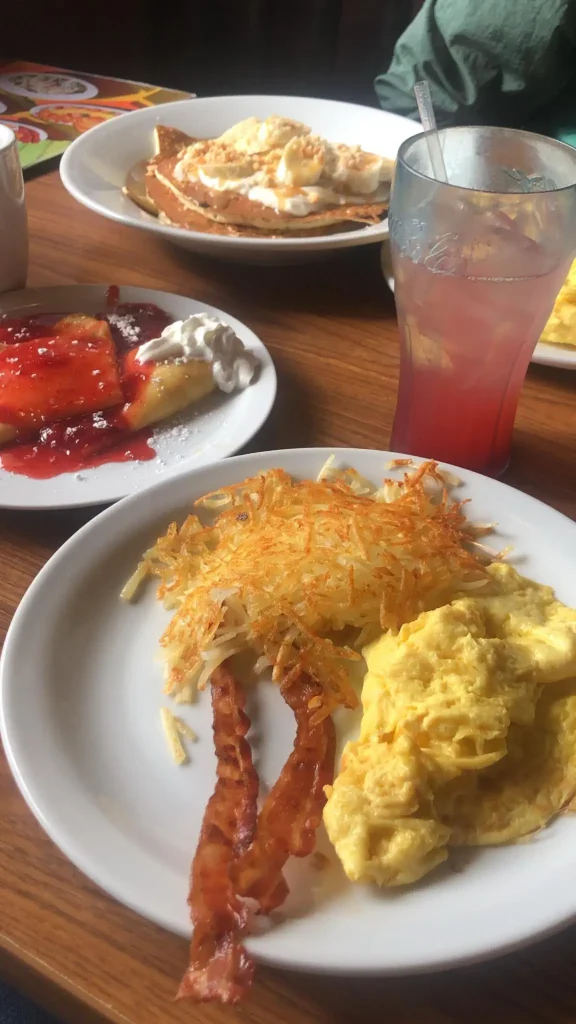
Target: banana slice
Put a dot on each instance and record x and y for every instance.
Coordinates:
(302, 161)
(243, 136)
(213, 158)
(253, 136)
(224, 171)
(276, 132)
(359, 171)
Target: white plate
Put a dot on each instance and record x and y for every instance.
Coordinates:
(42, 80)
(560, 356)
(80, 699)
(15, 125)
(45, 107)
(95, 166)
(212, 429)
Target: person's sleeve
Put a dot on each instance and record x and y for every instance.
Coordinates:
(485, 60)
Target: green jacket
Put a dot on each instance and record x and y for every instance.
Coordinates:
(503, 62)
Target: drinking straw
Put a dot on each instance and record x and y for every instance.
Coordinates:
(426, 111)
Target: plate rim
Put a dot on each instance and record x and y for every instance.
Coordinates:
(91, 91)
(154, 294)
(561, 357)
(28, 787)
(339, 240)
(88, 105)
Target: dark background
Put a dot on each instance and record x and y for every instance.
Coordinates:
(213, 47)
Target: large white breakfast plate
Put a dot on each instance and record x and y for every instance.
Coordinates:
(212, 429)
(95, 166)
(563, 357)
(80, 699)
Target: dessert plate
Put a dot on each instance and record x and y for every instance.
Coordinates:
(211, 429)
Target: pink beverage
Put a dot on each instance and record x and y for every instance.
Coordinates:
(466, 345)
(483, 231)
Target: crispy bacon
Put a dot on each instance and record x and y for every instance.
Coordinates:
(220, 968)
(292, 810)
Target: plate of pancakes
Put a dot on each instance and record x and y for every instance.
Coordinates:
(249, 178)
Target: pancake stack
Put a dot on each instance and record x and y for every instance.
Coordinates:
(271, 178)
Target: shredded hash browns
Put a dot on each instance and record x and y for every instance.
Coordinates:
(303, 573)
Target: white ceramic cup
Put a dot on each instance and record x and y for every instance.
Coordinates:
(13, 224)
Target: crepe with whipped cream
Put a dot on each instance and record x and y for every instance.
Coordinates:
(271, 177)
(189, 359)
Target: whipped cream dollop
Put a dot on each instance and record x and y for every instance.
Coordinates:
(296, 202)
(206, 339)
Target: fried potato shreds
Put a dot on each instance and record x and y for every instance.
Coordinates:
(287, 565)
(220, 968)
(172, 733)
(292, 810)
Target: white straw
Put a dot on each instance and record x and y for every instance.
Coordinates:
(426, 111)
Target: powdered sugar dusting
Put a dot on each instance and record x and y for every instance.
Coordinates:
(188, 433)
(126, 326)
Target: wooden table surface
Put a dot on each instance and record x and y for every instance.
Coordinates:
(332, 332)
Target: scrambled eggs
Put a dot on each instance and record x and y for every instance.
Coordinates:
(455, 745)
(561, 326)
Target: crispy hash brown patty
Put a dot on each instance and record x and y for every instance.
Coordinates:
(263, 576)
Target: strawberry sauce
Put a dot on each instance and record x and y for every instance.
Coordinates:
(46, 447)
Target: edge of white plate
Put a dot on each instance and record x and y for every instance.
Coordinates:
(562, 357)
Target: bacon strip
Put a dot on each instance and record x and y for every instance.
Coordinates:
(220, 968)
(292, 810)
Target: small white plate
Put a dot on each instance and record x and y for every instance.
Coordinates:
(95, 166)
(45, 108)
(212, 429)
(561, 356)
(43, 86)
(39, 133)
(80, 700)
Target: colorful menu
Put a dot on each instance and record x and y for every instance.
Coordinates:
(49, 107)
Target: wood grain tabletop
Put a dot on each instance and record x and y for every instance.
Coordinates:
(332, 332)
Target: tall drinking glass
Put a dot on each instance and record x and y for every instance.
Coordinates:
(478, 262)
